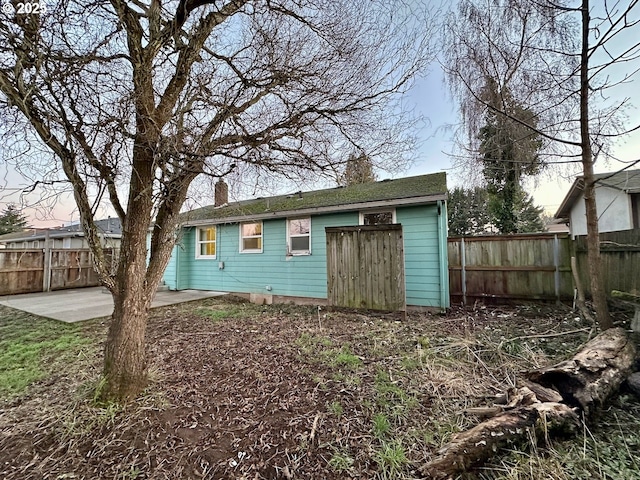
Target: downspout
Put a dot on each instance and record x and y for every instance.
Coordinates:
(443, 256)
(177, 248)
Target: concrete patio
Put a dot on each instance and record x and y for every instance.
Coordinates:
(86, 303)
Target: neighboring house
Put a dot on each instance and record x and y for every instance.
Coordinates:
(70, 236)
(276, 246)
(617, 202)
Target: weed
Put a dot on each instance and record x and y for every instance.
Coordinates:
(349, 379)
(381, 425)
(310, 345)
(131, 474)
(344, 358)
(391, 459)
(341, 462)
(410, 363)
(336, 408)
(218, 314)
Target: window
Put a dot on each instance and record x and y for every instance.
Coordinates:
(251, 237)
(299, 236)
(66, 242)
(35, 244)
(383, 217)
(206, 242)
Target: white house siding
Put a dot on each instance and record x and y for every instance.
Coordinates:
(614, 212)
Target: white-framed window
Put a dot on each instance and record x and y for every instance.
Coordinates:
(299, 236)
(378, 217)
(251, 237)
(35, 244)
(206, 242)
(66, 242)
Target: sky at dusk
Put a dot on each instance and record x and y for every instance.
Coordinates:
(431, 99)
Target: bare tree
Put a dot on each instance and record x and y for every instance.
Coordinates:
(135, 99)
(563, 62)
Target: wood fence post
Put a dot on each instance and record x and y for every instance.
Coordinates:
(46, 273)
(556, 263)
(463, 272)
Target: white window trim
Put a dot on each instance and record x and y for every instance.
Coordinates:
(378, 210)
(297, 253)
(261, 236)
(198, 243)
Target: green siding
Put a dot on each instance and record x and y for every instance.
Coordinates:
(421, 254)
(306, 275)
(303, 275)
(170, 271)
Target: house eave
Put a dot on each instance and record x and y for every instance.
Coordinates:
(564, 211)
(320, 210)
(40, 236)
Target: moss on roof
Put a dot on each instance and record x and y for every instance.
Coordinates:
(402, 188)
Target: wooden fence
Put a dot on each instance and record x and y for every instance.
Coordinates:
(26, 271)
(536, 267)
(21, 271)
(365, 267)
(620, 253)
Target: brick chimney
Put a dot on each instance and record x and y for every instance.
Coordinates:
(221, 193)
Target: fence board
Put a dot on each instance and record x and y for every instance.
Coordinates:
(20, 271)
(510, 267)
(365, 267)
(620, 252)
(72, 269)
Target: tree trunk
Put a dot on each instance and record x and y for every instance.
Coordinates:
(593, 238)
(125, 365)
(475, 446)
(550, 400)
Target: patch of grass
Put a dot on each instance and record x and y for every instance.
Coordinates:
(311, 345)
(381, 425)
(410, 363)
(336, 408)
(218, 313)
(391, 459)
(31, 347)
(322, 350)
(350, 379)
(341, 462)
(344, 358)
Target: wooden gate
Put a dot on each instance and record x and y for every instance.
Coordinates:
(365, 267)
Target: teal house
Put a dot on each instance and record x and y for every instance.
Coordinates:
(275, 249)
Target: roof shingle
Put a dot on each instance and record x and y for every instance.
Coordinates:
(393, 191)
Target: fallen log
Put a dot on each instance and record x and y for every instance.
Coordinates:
(547, 400)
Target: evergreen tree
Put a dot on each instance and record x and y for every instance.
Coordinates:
(471, 213)
(467, 211)
(508, 152)
(359, 169)
(530, 217)
(12, 220)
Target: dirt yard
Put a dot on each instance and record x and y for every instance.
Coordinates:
(241, 391)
